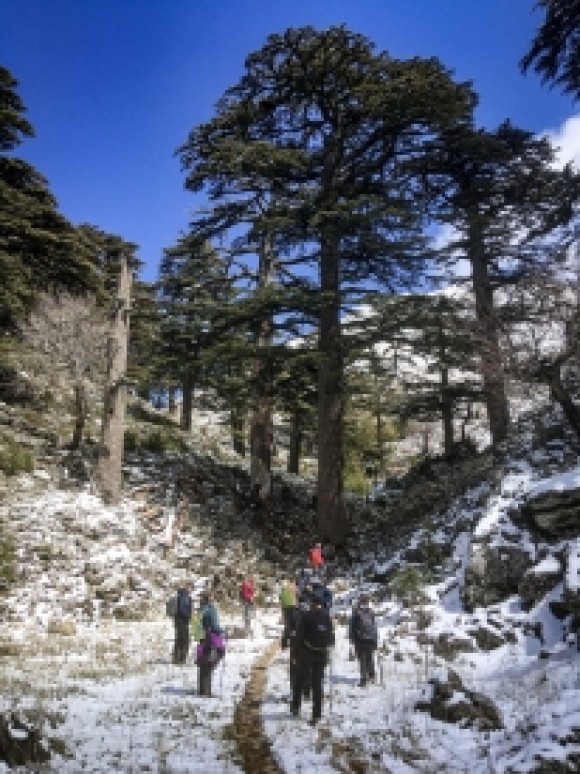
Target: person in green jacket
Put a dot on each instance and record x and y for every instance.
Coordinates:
(209, 614)
(288, 601)
(210, 625)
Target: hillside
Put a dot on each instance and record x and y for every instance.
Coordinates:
(466, 566)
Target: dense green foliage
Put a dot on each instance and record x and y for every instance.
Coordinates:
(39, 248)
(555, 50)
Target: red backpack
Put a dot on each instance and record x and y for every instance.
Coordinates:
(247, 591)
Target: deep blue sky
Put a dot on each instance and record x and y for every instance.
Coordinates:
(112, 87)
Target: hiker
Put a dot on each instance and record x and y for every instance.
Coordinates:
(289, 640)
(288, 599)
(362, 632)
(181, 621)
(209, 613)
(314, 636)
(302, 581)
(320, 589)
(316, 557)
(211, 649)
(247, 593)
(303, 606)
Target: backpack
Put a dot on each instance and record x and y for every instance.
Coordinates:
(317, 630)
(365, 625)
(211, 650)
(247, 592)
(184, 605)
(171, 607)
(322, 594)
(197, 631)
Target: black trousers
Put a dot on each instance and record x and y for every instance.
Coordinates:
(287, 620)
(181, 644)
(311, 665)
(364, 651)
(204, 672)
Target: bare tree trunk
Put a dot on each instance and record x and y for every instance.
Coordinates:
(425, 440)
(295, 443)
(109, 469)
(447, 413)
(552, 374)
(261, 422)
(81, 411)
(187, 403)
(238, 436)
(332, 518)
(492, 369)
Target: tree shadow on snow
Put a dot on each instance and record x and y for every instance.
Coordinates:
(175, 690)
(343, 680)
(282, 715)
(271, 698)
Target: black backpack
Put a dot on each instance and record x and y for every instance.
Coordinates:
(318, 629)
(365, 627)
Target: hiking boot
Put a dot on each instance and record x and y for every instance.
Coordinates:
(362, 683)
(313, 721)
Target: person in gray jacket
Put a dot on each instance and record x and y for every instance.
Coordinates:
(363, 634)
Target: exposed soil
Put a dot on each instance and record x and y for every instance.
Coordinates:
(253, 745)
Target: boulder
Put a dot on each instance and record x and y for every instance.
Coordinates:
(493, 574)
(553, 513)
(486, 638)
(448, 645)
(451, 702)
(538, 581)
(20, 743)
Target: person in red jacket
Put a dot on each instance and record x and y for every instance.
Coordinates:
(247, 593)
(315, 557)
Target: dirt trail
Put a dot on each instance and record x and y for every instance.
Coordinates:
(251, 739)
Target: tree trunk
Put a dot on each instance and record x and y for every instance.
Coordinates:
(261, 422)
(295, 443)
(171, 402)
(238, 435)
(81, 411)
(187, 403)
(332, 519)
(446, 413)
(109, 469)
(559, 393)
(425, 441)
(492, 370)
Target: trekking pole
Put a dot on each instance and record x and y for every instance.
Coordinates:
(330, 686)
(223, 670)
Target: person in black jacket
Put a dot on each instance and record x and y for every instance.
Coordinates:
(314, 636)
(182, 621)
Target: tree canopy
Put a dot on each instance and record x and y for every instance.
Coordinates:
(555, 50)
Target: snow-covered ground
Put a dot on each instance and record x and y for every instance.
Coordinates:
(118, 704)
(111, 696)
(535, 685)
